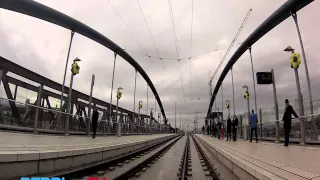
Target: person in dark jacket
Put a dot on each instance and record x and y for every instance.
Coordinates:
(234, 128)
(287, 121)
(253, 124)
(95, 116)
(229, 124)
(218, 128)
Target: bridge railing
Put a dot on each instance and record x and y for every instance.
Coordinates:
(39, 119)
(312, 133)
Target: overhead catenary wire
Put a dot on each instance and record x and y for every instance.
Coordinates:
(191, 48)
(175, 41)
(177, 59)
(231, 45)
(173, 28)
(154, 43)
(145, 20)
(143, 50)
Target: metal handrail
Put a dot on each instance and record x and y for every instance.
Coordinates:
(58, 111)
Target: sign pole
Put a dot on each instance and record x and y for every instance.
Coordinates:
(89, 119)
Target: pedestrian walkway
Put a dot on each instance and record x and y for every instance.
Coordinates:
(29, 154)
(273, 160)
(26, 142)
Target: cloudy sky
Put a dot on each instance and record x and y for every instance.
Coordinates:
(42, 47)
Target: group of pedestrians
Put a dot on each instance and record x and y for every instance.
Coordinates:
(232, 126)
(287, 119)
(218, 128)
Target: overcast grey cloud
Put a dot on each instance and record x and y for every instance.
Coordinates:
(42, 47)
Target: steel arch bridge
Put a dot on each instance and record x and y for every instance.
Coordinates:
(282, 13)
(40, 11)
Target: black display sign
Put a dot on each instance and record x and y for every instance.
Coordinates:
(215, 114)
(264, 78)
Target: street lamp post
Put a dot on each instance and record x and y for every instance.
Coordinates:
(175, 116)
(276, 109)
(139, 117)
(74, 71)
(65, 70)
(234, 105)
(147, 106)
(88, 120)
(119, 94)
(295, 62)
(222, 100)
(228, 107)
(314, 126)
(134, 98)
(159, 118)
(254, 83)
(180, 122)
(151, 117)
(248, 100)
(248, 106)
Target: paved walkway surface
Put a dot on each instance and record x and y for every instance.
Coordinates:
(25, 142)
(302, 157)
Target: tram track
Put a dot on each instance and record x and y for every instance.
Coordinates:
(195, 164)
(113, 163)
(180, 158)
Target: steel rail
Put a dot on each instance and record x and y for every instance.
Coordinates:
(183, 172)
(131, 172)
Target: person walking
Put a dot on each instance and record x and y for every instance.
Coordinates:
(229, 128)
(95, 116)
(218, 128)
(234, 128)
(253, 124)
(202, 129)
(222, 131)
(287, 121)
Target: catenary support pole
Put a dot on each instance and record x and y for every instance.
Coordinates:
(89, 118)
(314, 125)
(112, 82)
(233, 103)
(301, 110)
(134, 97)
(66, 130)
(65, 70)
(276, 109)
(39, 97)
(254, 83)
